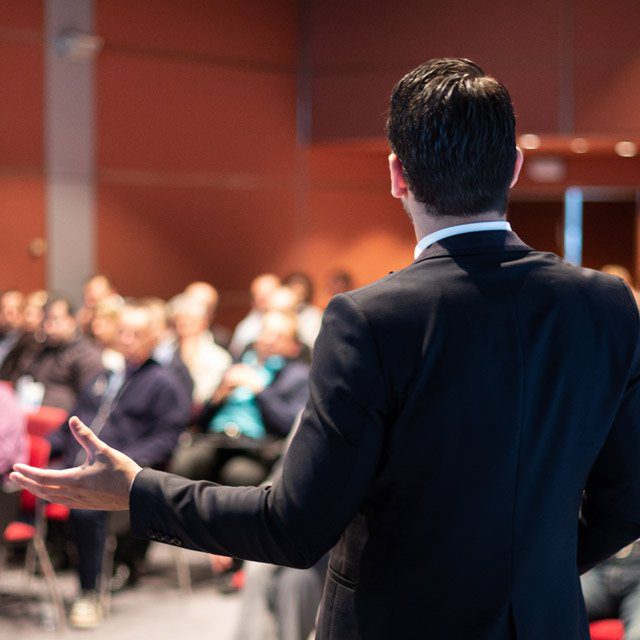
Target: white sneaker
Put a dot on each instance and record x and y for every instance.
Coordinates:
(86, 611)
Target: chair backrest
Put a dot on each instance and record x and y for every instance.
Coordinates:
(39, 450)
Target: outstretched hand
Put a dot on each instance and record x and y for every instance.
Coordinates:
(102, 482)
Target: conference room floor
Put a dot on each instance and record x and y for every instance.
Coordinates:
(154, 609)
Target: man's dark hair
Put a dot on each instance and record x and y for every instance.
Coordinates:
(55, 299)
(453, 129)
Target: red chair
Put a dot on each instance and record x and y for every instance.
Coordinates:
(45, 420)
(606, 630)
(33, 535)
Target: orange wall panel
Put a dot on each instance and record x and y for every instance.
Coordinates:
(21, 107)
(22, 220)
(155, 239)
(21, 143)
(176, 115)
(21, 14)
(360, 49)
(353, 222)
(254, 31)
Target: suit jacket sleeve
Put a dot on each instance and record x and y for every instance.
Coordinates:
(610, 512)
(325, 476)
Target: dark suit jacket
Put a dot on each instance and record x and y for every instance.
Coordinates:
(462, 413)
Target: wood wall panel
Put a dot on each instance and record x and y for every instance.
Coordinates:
(21, 143)
(360, 49)
(156, 115)
(21, 14)
(353, 221)
(156, 239)
(196, 144)
(21, 115)
(252, 31)
(22, 220)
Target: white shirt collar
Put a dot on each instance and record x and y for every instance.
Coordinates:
(447, 232)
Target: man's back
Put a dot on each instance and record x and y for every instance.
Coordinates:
(461, 413)
(505, 369)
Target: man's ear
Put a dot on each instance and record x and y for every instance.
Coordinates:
(517, 166)
(399, 187)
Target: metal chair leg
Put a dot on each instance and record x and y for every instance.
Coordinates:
(50, 579)
(107, 571)
(182, 569)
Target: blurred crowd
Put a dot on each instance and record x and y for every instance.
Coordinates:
(166, 384)
(163, 382)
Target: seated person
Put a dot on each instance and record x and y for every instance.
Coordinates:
(95, 289)
(11, 309)
(104, 329)
(248, 328)
(309, 316)
(141, 411)
(280, 597)
(253, 408)
(207, 294)
(13, 432)
(612, 590)
(273, 598)
(67, 360)
(205, 360)
(166, 351)
(28, 345)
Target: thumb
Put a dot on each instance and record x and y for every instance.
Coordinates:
(87, 439)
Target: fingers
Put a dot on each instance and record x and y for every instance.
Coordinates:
(43, 491)
(48, 476)
(50, 492)
(87, 439)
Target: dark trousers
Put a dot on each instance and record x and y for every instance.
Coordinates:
(90, 532)
(235, 461)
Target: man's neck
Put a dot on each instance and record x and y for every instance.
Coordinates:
(424, 223)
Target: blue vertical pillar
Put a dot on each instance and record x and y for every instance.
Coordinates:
(573, 201)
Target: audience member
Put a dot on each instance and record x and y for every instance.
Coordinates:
(624, 274)
(166, 351)
(205, 360)
(67, 361)
(207, 294)
(254, 406)
(19, 359)
(283, 299)
(95, 289)
(104, 328)
(280, 599)
(11, 309)
(247, 330)
(338, 281)
(612, 590)
(309, 316)
(142, 411)
(13, 434)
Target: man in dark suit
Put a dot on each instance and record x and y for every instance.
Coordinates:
(471, 441)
